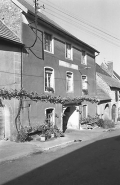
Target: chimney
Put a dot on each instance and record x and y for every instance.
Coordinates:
(110, 68)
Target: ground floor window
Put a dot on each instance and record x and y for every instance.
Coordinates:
(49, 114)
(84, 111)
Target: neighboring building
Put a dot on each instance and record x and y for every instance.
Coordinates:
(10, 78)
(108, 108)
(55, 63)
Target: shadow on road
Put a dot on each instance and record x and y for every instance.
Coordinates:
(95, 164)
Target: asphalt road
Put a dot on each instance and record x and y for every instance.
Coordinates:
(95, 162)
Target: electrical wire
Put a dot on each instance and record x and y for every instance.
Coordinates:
(81, 20)
(96, 34)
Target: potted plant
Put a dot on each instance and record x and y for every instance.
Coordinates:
(52, 135)
(43, 137)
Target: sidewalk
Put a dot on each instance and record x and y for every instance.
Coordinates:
(12, 150)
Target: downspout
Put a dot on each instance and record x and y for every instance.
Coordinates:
(95, 78)
(20, 102)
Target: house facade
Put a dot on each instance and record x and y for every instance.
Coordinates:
(10, 73)
(108, 108)
(55, 63)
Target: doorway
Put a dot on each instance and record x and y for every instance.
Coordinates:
(114, 112)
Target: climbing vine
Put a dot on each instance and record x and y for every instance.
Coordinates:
(23, 94)
(9, 94)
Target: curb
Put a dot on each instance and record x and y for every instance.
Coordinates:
(12, 158)
(59, 145)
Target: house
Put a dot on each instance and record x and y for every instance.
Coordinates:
(108, 107)
(55, 63)
(10, 75)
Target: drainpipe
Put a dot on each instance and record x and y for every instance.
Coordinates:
(95, 78)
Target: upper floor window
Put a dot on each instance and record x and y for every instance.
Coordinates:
(69, 81)
(84, 85)
(49, 79)
(116, 96)
(49, 43)
(84, 58)
(84, 82)
(69, 53)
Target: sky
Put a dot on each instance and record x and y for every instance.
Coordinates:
(95, 22)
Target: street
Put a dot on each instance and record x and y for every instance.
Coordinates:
(95, 162)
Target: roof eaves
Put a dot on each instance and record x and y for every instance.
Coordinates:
(12, 41)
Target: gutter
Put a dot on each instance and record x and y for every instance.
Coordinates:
(12, 41)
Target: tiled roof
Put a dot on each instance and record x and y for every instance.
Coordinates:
(6, 33)
(100, 70)
(101, 95)
(110, 81)
(52, 23)
(116, 75)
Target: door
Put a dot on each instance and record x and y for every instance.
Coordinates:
(113, 112)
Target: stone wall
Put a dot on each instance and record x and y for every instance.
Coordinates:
(11, 16)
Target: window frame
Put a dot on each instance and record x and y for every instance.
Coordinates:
(53, 78)
(86, 110)
(84, 58)
(72, 82)
(53, 115)
(71, 51)
(52, 43)
(84, 82)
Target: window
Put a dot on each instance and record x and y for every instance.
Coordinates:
(48, 43)
(69, 81)
(69, 51)
(49, 79)
(116, 96)
(84, 82)
(49, 114)
(84, 58)
(84, 111)
(84, 85)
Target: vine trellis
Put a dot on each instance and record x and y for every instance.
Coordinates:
(34, 96)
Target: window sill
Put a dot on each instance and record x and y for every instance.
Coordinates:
(68, 59)
(84, 64)
(49, 52)
(69, 91)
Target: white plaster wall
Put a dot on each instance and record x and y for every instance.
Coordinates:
(6, 114)
(73, 122)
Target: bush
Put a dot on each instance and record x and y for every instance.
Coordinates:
(100, 123)
(118, 119)
(22, 135)
(108, 124)
(105, 123)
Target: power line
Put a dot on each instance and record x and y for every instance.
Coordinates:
(81, 20)
(95, 34)
(86, 24)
